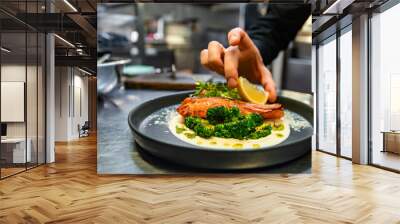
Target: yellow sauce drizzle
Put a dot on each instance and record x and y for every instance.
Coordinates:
(237, 145)
(189, 135)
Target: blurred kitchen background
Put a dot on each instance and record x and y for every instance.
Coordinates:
(157, 46)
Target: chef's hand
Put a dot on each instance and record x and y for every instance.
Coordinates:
(240, 58)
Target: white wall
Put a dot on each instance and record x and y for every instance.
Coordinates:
(12, 73)
(70, 83)
(81, 100)
(33, 126)
(62, 81)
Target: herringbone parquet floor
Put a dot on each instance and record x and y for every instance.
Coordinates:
(70, 191)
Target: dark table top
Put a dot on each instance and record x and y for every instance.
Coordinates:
(117, 152)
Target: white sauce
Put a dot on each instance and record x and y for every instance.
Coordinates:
(276, 137)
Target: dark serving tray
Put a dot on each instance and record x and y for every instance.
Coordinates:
(156, 139)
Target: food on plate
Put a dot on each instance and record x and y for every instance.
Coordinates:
(251, 92)
(198, 106)
(218, 117)
(228, 123)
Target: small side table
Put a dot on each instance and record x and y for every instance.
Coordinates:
(391, 141)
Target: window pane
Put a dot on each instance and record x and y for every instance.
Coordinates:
(31, 97)
(15, 150)
(327, 97)
(346, 94)
(385, 84)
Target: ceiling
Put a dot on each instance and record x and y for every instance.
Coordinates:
(74, 21)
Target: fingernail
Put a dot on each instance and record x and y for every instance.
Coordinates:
(234, 38)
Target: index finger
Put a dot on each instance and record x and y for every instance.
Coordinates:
(238, 37)
(231, 64)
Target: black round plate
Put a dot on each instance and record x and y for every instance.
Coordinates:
(154, 136)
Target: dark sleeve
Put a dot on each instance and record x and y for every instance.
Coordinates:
(274, 31)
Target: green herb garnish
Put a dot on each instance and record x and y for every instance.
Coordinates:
(210, 89)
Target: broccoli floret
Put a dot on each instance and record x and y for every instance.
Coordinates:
(255, 118)
(200, 126)
(239, 129)
(228, 123)
(262, 132)
(217, 115)
(191, 122)
(234, 114)
(205, 131)
(222, 132)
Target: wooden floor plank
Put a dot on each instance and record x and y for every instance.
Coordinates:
(70, 191)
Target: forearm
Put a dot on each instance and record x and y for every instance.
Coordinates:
(274, 31)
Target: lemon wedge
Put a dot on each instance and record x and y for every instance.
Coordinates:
(251, 92)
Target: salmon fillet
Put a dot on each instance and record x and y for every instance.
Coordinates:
(198, 106)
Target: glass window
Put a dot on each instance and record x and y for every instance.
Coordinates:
(31, 99)
(327, 96)
(346, 93)
(15, 150)
(22, 91)
(385, 88)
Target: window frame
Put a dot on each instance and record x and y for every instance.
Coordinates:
(29, 29)
(345, 26)
(339, 28)
(378, 10)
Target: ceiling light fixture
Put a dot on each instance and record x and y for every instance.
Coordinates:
(70, 5)
(5, 49)
(84, 71)
(337, 7)
(64, 40)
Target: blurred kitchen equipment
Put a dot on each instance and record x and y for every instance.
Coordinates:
(103, 58)
(164, 75)
(166, 79)
(109, 77)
